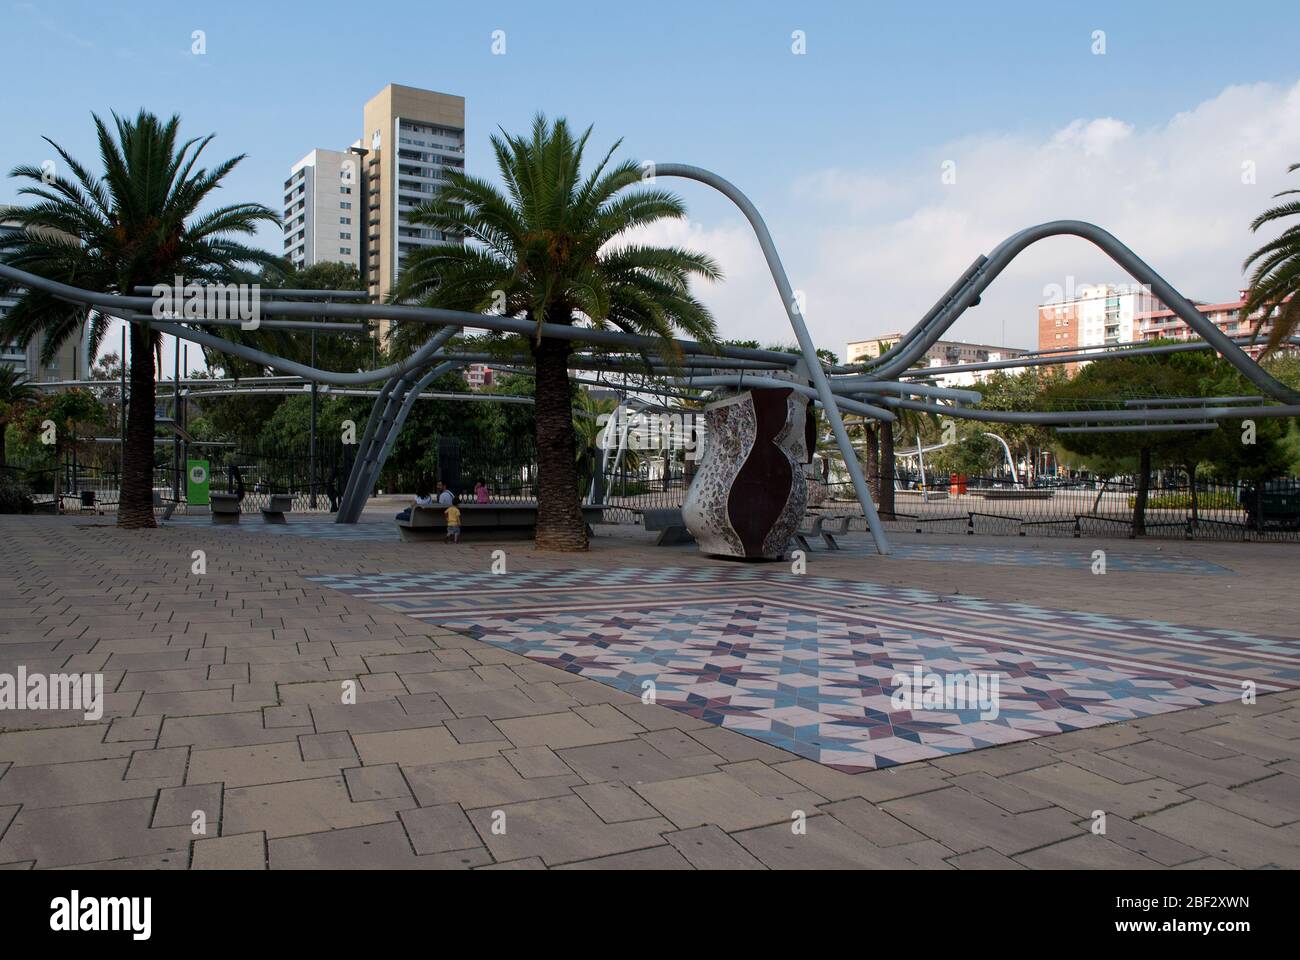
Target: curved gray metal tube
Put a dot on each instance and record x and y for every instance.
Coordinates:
(855, 406)
(986, 272)
(811, 360)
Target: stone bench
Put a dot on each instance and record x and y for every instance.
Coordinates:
(668, 523)
(277, 507)
(224, 507)
(483, 521)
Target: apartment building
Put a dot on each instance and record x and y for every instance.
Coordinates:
(478, 376)
(354, 205)
(323, 210)
(1099, 315)
(70, 362)
(942, 353)
(1162, 324)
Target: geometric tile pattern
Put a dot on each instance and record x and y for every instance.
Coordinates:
(1013, 556)
(809, 663)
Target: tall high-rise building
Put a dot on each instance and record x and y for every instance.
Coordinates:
(412, 136)
(354, 205)
(323, 210)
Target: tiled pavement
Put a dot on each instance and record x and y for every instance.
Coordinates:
(225, 699)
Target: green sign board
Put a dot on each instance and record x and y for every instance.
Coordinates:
(196, 482)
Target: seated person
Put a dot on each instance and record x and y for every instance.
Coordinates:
(422, 499)
(445, 497)
(481, 492)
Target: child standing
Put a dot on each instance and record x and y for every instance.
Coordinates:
(453, 524)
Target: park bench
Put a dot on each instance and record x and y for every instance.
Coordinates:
(277, 507)
(483, 521)
(834, 527)
(668, 523)
(225, 507)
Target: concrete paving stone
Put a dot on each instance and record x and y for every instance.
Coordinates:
(473, 730)
(710, 848)
(717, 798)
(171, 681)
(1093, 738)
(537, 762)
(881, 828)
(1006, 795)
(7, 815)
(302, 806)
(439, 829)
(1189, 769)
(1085, 852)
(1245, 737)
(177, 806)
(632, 762)
(449, 682)
(1081, 791)
(1103, 766)
(157, 764)
(383, 782)
(615, 802)
(137, 730)
(963, 822)
(1264, 807)
(561, 830)
(603, 716)
(656, 858)
(557, 731)
(85, 741)
(80, 782)
(1206, 863)
(826, 845)
(421, 745)
(194, 703)
(89, 833)
(677, 744)
(258, 763)
(227, 730)
(480, 782)
(499, 704)
(766, 782)
(180, 860)
(389, 683)
(381, 846)
(526, 863)
(1226, 835)
(428, 706)
(1012, 758)
(985, 858)
(327, 746)
(378, 716)
(1154, 846)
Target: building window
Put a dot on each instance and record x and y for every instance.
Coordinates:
(345, 219)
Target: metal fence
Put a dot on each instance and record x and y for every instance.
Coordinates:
(1204, 511)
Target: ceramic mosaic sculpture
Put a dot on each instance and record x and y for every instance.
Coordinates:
(750, 492)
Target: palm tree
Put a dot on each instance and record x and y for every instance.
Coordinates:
(16, 392)
(550, 248)
(1276, 281)
(137, 224)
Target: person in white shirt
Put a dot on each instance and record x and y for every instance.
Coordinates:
(445, 497)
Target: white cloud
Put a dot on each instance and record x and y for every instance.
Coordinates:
(873, 249)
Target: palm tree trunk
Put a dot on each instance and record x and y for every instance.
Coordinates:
(559, 518)
(885, 505)
(135, 502)
(872, 447)
(1144, 485)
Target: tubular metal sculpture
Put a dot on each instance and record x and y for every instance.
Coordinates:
(873, 389)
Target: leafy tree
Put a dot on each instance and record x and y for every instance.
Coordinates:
(16, 394)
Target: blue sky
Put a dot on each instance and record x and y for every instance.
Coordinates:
(884, 93)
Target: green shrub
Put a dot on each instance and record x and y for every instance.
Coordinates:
(1206, 500)
(15, 497)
